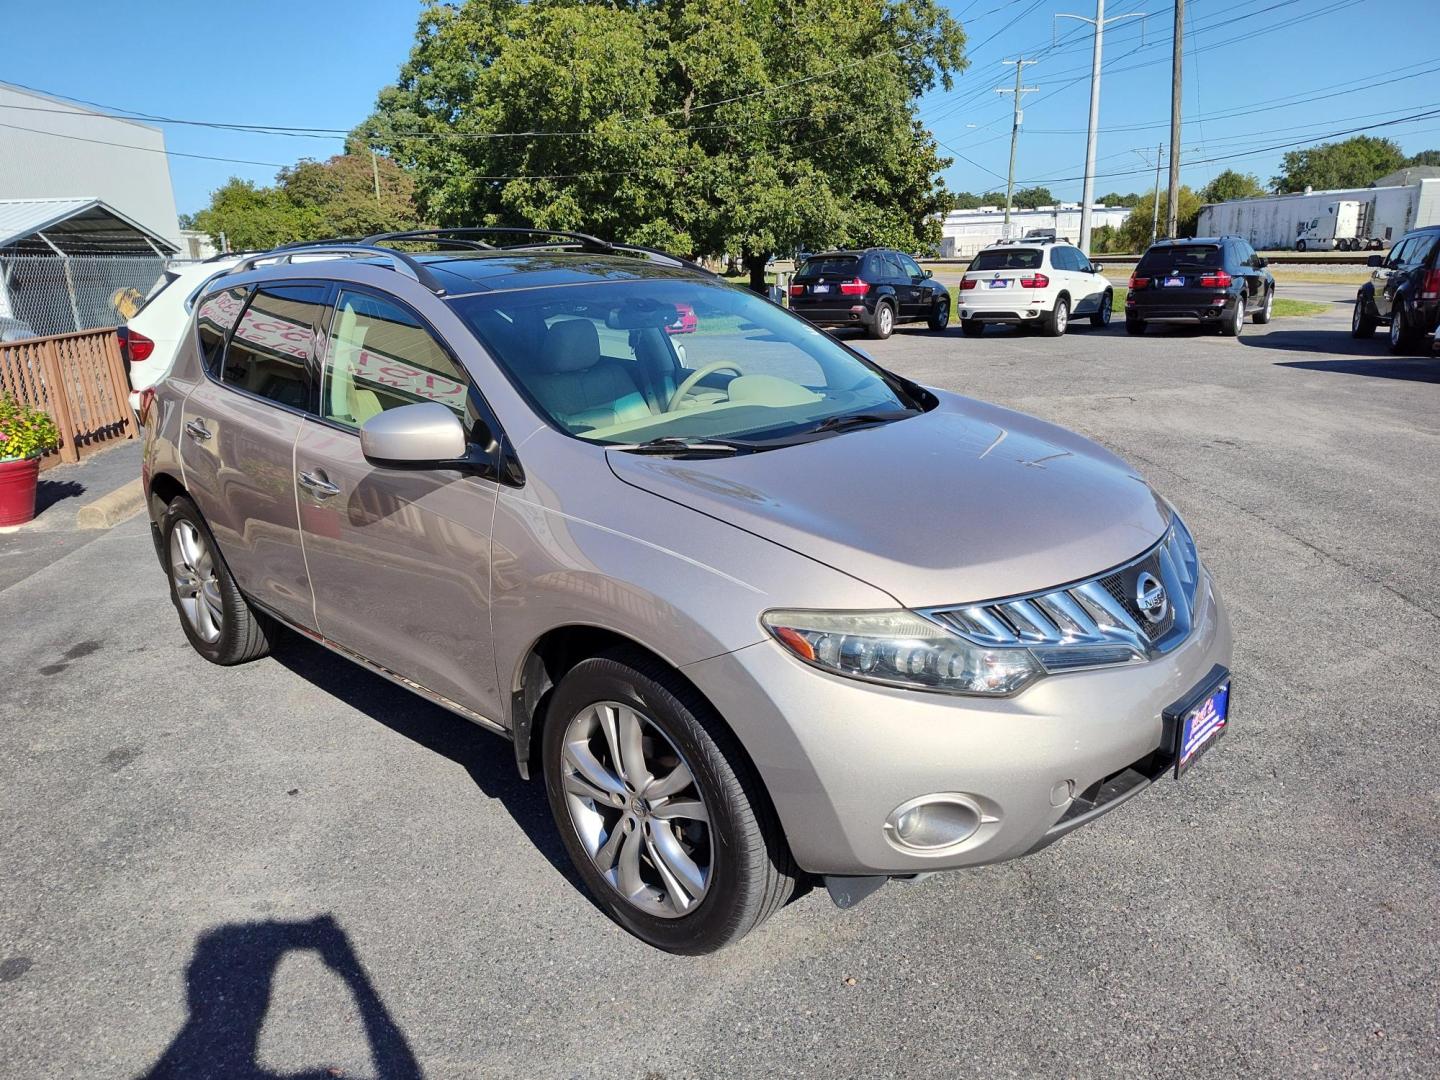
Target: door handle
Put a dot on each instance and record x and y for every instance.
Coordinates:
(196, 429)
(317, 486)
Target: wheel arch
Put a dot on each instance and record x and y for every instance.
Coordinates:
(165, 488)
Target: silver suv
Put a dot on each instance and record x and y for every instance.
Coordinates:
(761, 612)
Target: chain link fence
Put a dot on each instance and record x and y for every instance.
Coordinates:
(55, 295)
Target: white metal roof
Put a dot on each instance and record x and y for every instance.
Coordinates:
(20, 218)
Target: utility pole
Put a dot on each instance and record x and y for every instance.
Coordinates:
(1014, 131)
(1154, 210)
(1172, 211)
(1088, 192)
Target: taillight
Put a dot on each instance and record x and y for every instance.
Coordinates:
(858, 287)
(1218, 280)
(968, 283)
(1430, 287)
(797, 290)
(134, 346)
(1139, 283)
(1039, 281)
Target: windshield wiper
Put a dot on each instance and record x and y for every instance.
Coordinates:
(671, 444)
(846, 421)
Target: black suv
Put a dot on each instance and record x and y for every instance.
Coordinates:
(874, 288)
(1215, 280)
(1403, 291)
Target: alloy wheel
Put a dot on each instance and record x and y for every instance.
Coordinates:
(886, 320)
(637, 809)
(942, 314)
(192, 568)
(1062, 316)
(1397, 329)
(1355, 317)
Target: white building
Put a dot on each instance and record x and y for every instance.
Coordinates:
(967, 231)
(54, 149)
(1272, 222)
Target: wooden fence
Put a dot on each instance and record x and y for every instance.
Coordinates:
(79, 379)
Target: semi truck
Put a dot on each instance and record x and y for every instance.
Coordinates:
(1342, 225)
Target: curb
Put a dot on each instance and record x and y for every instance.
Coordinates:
(113, 508)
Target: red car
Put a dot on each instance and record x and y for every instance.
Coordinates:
(685, 320)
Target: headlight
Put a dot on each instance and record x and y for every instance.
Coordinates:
(899, 648)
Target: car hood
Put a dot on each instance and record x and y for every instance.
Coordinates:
(966, 502)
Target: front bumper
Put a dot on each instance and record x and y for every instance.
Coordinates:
(837, 756)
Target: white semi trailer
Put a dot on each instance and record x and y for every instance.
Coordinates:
(1341, 225)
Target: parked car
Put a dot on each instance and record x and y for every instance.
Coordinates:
(692, 593)
(14, 329)
(149, 338)
(1040, 281)
(1217, 280)
(876, 288)
(1403, 292)
(685, 321)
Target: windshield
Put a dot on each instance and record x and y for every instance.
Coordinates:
(1193, 256)
(612, 363)
(1008, 259)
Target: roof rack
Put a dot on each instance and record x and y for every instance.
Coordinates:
(469, 237)
(411, 268)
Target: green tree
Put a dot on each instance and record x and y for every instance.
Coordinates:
(1355, 162)
(312, 200)
(704, 126)
(1134, 234)
(1116, 199)
(1231, 185)
(964, 200)
(1033, 198)
(1425, 157)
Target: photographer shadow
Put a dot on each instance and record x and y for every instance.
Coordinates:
(228, 987)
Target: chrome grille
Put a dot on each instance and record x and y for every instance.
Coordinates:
(1092, 622)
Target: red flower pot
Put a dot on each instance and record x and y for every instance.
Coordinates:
(17, 490)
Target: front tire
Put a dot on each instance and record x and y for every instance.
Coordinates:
(658, 807)
(1057, 321)
(939, 315)
(1107, 309)
(216, 617)
(1362, 324)
(883, 325)
(1300, 246)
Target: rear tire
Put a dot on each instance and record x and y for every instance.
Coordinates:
(1107, 309)
(217, 619)
(1402, 334)
(1362, 324)
(883, 325)
(1057, 320)
(939, 315)
(1134, 326)
(1230, 324)
(730, 848)
(1261, 317)
(972, 327)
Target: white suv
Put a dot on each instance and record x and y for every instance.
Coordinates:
(1038, 281)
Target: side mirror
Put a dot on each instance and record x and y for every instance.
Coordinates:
(426, 435)
(928, 273)
(1375, 260)
(1097, 268)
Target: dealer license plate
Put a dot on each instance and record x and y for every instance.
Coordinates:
(999, 283)
(1200, 726)
(819, 288)
(1174, 282)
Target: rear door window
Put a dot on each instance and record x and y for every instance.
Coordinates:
(830, 267)
(1182, 258)
(1424, 247)
(272, 350)
(1008, 259)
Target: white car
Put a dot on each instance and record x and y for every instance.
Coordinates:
(1033, 281)
(148, 340)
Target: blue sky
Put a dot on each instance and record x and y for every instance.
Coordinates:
(1275, 71)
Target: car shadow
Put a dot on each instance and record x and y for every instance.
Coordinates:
(487, 758)
(228, 988)
(1410, 369)
(50, 492)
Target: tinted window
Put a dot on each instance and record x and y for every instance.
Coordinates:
(1158, 260)
(213, 322)
(829, 266)
(382, 357)
(1424, 247)
(1400, 253)
(1074, 260)
(910, 267)
(1008, 259)
(271, 350)
(894, 271)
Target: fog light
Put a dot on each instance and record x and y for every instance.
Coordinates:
(933, 823)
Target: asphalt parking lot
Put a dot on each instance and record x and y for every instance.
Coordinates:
(293, 868)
